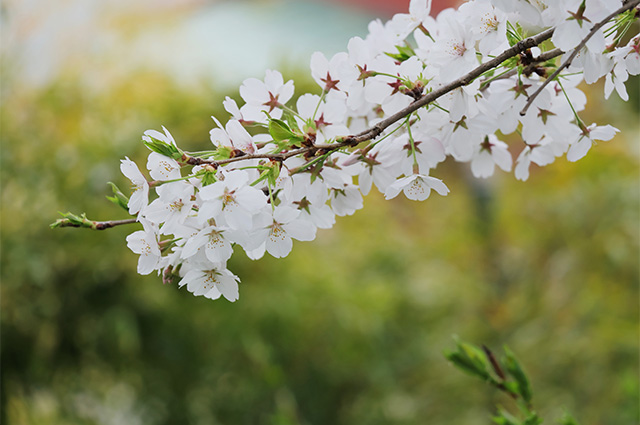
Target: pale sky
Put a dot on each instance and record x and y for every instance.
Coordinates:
(221, 41)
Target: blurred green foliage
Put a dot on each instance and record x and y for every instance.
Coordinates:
(348, 329)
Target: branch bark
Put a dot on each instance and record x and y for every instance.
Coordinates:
(82, 221)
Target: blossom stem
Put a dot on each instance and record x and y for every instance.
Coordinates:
(575, 114)
(305, 166)
(286, 108)
(315, 112)
(413, 149)
(155, 183)
(405, 122)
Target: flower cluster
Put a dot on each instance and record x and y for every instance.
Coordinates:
(416, 91)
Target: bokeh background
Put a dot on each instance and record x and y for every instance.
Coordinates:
(348, 329)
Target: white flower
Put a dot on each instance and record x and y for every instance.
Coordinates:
(235, 137)
(388, 92)
(580, 147)
(145, 243)
(231, 107)
(166, 137)
(454, 49)
(217, 247)
(139, 186)
(267, 96)
(232, 199)
(382, 38)
(172, 207)
(541, 153)
(286, 226)
(416, 187)
(333, 75)
(377, 167)
(212, 282)
(163, 168)
(462, 101)
(487, 24)
(276, 235)
(491, 152)
(346, 200)
(403, 23)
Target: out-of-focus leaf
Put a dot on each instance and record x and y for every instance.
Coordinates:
(515, 369)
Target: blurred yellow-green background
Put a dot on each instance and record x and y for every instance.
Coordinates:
(350, 328)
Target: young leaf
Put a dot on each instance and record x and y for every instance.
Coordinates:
(513, 367)
(72, 220)
(567, 419)
(279, 130)
(470, 359)
(506, 418)
(118, 198)
(163, 148)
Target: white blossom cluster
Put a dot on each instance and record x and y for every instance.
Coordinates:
(278, 171)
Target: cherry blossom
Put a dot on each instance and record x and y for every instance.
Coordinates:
(580, 147)
(145, 243)
(490, 153)
(267, 96)
(231, 199)
(212, 282)
(139, 186)
(416, 187)
(413, 93)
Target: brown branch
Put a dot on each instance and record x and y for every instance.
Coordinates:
(101, 225)
(72, 220)
(527, 70)
(378, 128)
(627, 6)
(514, 50)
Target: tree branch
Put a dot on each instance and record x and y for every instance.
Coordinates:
(527, 69)
(73, 220)
(428, 98)
(627, 6)
(378, 128)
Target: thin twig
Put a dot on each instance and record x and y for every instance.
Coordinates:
(535, 62)
(94, 225)
(628, 6)
(101, 225)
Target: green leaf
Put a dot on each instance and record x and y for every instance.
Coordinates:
(291, 122)
(404, 53)
(567, 419)
(513, 40)
(514, 34)
(118, 198)
(279, 130)
(73, 220)
(506, 418)
(470, 359)
(532, 419)
(223, 152)
(273, 174)
(513, 367)
(207, 176)
(163, 148)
